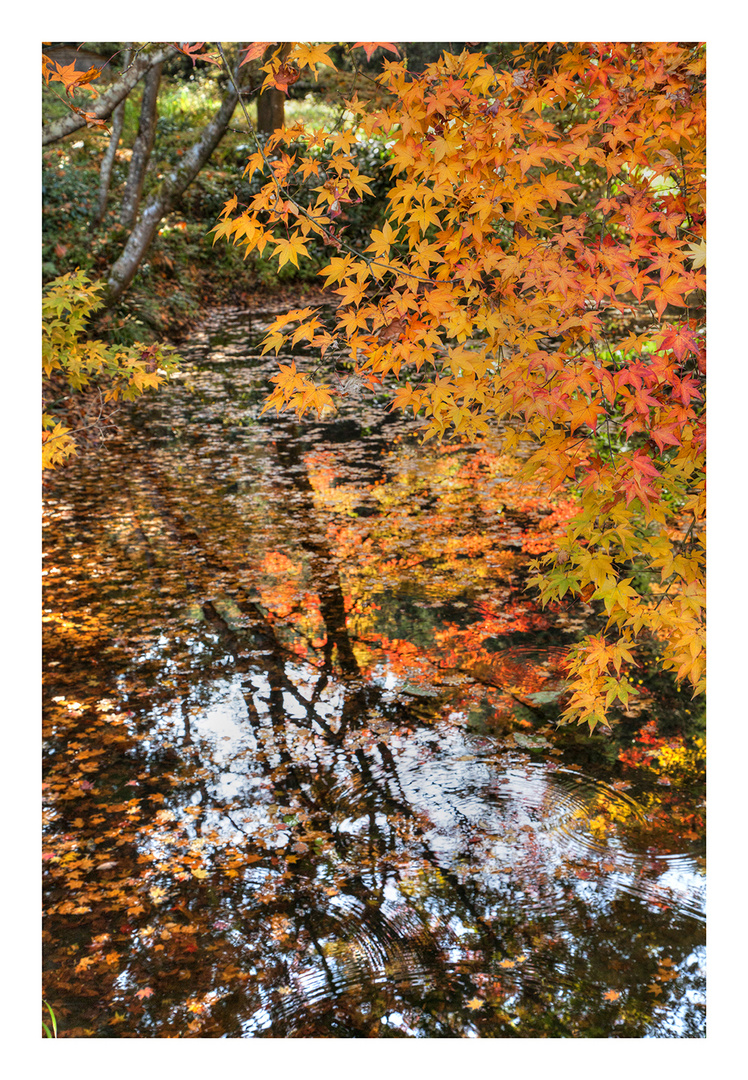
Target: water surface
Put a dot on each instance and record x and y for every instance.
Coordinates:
(302, 776)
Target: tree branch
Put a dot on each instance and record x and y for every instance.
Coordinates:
(159, 204)
(107, 164)
(106, 103)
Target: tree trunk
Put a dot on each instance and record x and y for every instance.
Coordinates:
(270, 110)
(271, 103)
(107, 102)
(107, 164)
(161, 201)
(141, 150)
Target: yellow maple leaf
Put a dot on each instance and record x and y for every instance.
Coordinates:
(289, 250)
(698, 254)
(337, 269)
(475, 1003)
(311, 55)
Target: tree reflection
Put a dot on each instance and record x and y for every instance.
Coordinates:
(284, 799)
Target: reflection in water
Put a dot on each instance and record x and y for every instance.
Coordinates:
(299, 770)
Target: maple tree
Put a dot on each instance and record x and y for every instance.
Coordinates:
(490, 297)
(73, 364)
(92, 111)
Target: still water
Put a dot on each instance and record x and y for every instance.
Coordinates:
(302, 775)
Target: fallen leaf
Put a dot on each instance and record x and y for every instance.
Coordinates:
(475, 1003)
(611, 995)
(146, 992)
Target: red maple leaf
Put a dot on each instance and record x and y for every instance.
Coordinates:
(639, 483)
(285, 76)
(681, 340)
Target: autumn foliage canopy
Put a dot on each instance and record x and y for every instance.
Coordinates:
(488, 296)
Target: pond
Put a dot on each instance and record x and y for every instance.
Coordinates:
(302, 774)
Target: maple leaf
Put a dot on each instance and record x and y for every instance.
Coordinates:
(257, 48)
(392, 331)
(92, 120)
(311, 55)
(554, 190)
(288, 250)
(611, 995)
(286, 75)
(353, 293)
(146, 992)
(475, 1003)
(639, 481)
(337, 268)
(193, 52)
(370, 47)
(681, 339)
(671, 291)
(698, 254)
(72, 79)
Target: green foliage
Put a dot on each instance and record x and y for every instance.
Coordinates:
(50, 1034)
(79, 364)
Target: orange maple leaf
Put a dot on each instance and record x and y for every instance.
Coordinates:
(257, 48)
(669, 292)
(72, 79)
(193, 51)
(370, 47)
(146, 992)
